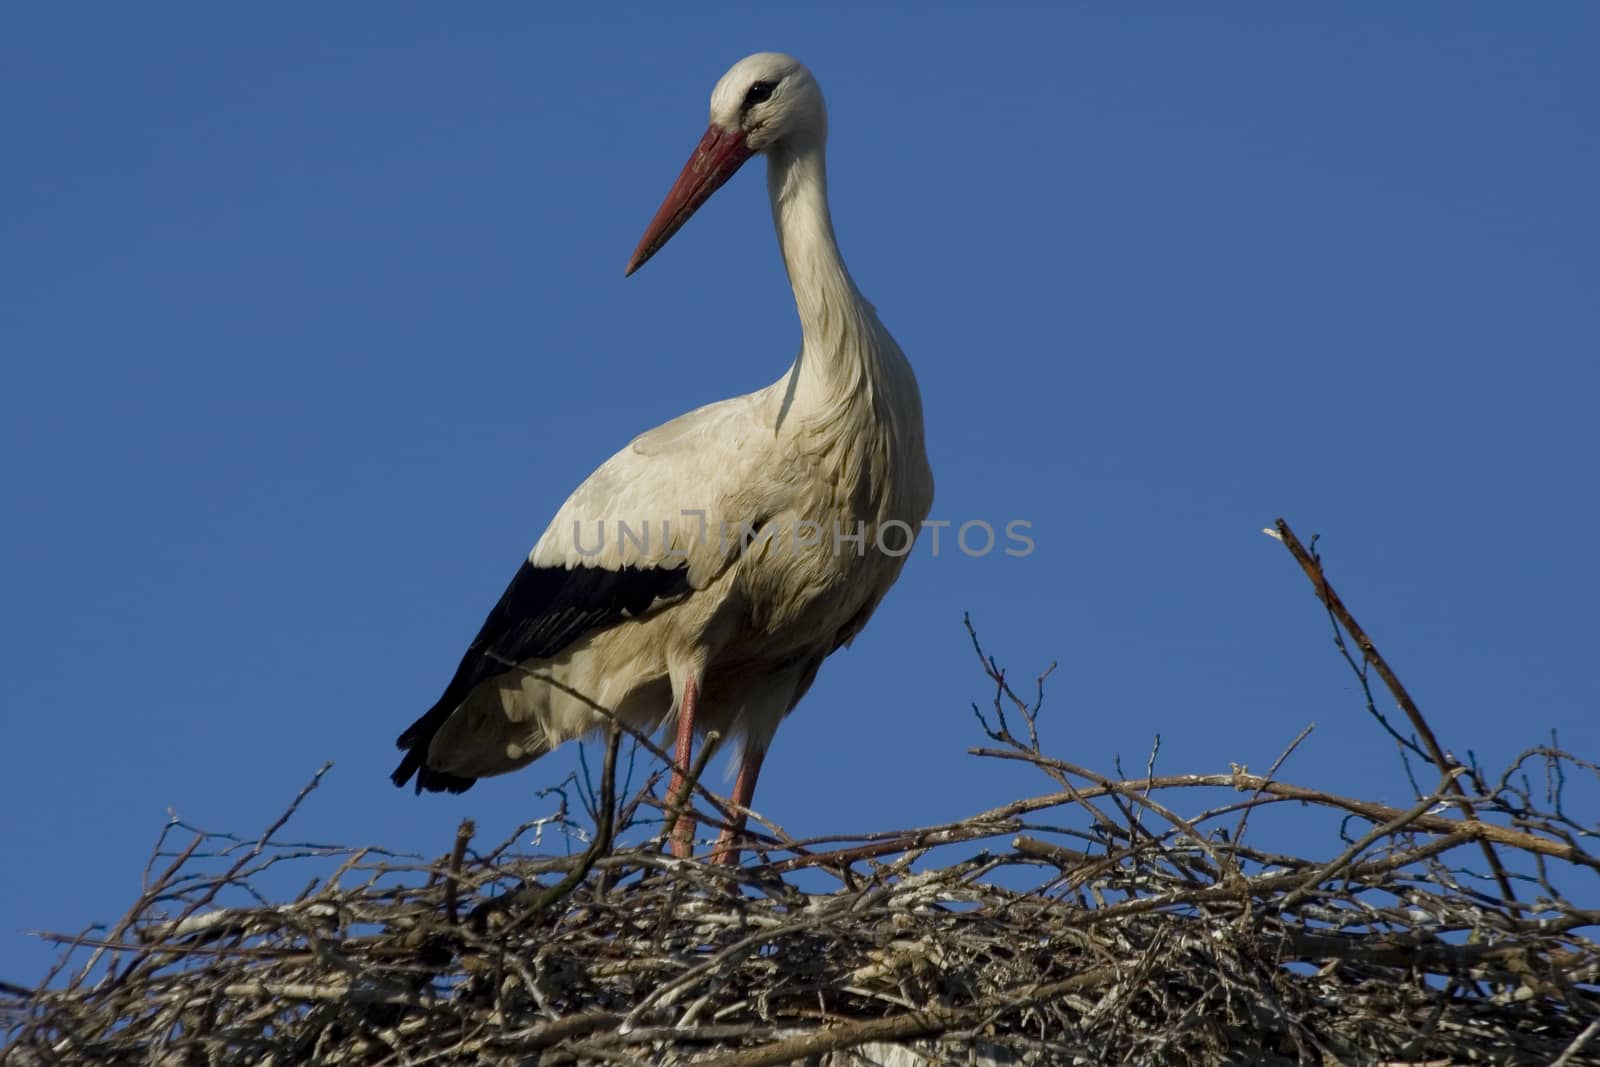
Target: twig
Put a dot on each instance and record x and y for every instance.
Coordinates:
(1378, 833)
(458, 852)
(1244, 816)
(1569, 1055)
(531, 900)
(1369, 651)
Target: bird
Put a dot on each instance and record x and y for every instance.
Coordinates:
(700, 576)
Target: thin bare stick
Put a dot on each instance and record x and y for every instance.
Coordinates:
(458, 852)
(1369, 651)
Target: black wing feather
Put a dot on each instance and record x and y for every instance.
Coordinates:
(542, 611)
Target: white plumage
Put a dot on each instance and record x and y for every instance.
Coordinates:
(646, 595)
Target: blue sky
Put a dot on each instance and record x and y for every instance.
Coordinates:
(312, 317)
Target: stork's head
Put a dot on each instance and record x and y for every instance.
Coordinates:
(769, 98)
(766, 101)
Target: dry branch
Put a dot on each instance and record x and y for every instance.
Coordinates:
(1312, 565)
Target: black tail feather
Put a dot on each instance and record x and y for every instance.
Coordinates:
(542, 611)
(415, 741)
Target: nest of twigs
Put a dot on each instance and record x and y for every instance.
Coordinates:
(1091, 923)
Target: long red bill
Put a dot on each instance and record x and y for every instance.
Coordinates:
(719, 153)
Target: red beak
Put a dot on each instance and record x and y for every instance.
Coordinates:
(719, 153)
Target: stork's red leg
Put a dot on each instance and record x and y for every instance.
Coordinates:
(683, 829)
(744, 791)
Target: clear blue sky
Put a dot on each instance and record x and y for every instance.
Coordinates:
(312, 317)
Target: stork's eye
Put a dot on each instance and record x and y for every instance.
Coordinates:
(758, 93)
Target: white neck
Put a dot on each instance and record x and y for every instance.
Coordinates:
(844, 344)
(851, 394)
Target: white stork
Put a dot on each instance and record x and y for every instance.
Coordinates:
(695, 621)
